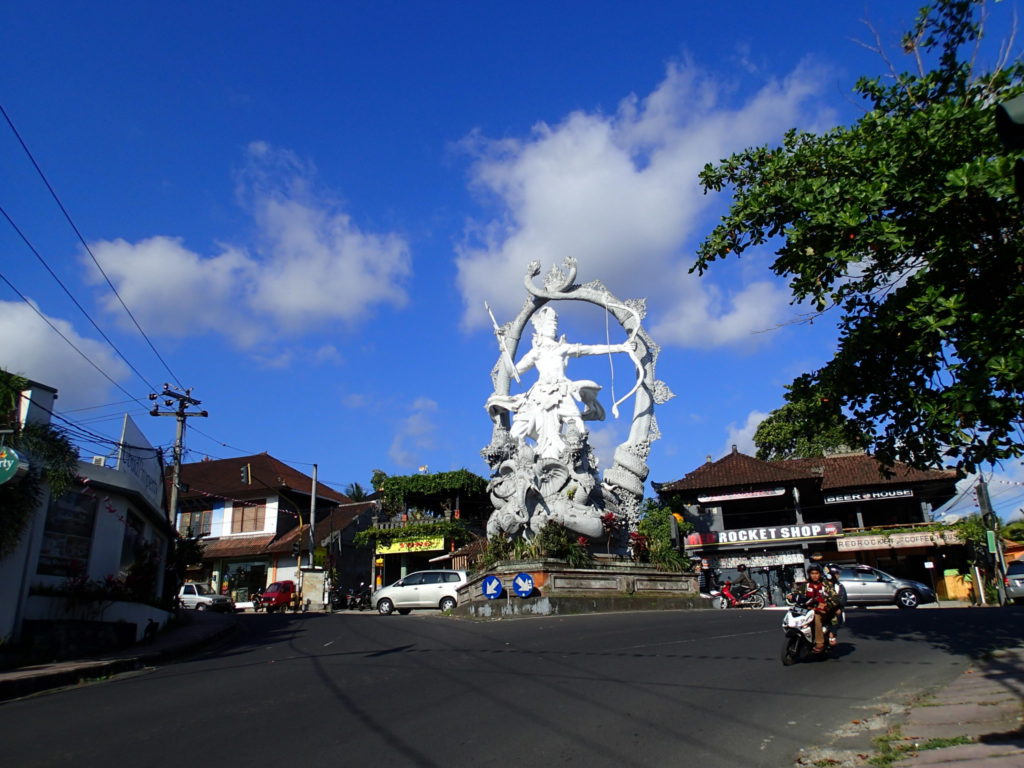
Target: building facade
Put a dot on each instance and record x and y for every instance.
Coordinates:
(89, 570)
(773, 515)
(252, 515)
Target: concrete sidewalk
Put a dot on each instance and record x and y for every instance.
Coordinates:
(977, 721)
(983, 707)
(193, 630)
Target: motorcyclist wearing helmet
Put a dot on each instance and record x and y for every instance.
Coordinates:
(743, 586)
(839, 614)
(823, 598)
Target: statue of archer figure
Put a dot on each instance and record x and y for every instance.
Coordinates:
(550, 405)
(543, 467)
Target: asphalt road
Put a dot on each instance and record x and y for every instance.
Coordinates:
(627, 689)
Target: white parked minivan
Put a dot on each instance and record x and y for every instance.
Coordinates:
(422, 589)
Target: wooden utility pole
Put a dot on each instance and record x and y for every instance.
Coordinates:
(988, 517)
(184, 400)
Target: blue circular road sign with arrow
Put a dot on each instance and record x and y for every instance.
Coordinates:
(491, 586)
(522, 584)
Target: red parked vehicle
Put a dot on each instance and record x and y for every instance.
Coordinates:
(279, 596)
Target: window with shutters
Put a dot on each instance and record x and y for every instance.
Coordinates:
(248, 517)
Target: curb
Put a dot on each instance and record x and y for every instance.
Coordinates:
(27, 681)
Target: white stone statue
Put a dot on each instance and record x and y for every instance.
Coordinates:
(544, 411)
(543, 468)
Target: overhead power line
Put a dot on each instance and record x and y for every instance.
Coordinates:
(85, 245)
(71, 296)
(69, 342)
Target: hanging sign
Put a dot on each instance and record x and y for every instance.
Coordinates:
(11, 464)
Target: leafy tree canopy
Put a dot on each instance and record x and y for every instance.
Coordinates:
(803, 429)
(52, 459)
(436, 491)
(906, 224)
(1014, 531)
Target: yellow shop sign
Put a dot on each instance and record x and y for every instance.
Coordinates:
(411, 545)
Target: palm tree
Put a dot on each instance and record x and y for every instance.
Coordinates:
(356, 492)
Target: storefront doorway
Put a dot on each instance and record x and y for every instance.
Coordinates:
(243, 579)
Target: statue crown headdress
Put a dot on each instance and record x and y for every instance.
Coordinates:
(545, 320)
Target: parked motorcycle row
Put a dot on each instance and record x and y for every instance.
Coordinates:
(352, 600)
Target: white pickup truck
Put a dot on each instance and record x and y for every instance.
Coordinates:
(202, 598)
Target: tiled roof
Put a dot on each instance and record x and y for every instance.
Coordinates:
(861, 470)
(339, 519)
(733, 470)
(222, 477)
(839, 471)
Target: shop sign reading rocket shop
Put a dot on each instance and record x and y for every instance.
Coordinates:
(768, 534)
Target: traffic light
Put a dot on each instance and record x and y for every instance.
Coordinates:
(295, 549)
(1010, 127)
(246, 474)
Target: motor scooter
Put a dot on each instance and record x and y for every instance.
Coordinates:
(337, 598)
(798, 624)
(724, 598)
(359, 599)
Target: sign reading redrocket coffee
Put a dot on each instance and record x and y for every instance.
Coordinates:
(766, 534)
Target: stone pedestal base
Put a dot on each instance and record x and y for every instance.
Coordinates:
(560, 590)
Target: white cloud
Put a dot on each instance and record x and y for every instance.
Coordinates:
(620, 193)
(703, 317)
(173, 291)
(328, 353)
(310, 264)
(415, 436)
(743, 437)
(34, 350)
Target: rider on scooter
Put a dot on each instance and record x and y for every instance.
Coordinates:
(820, 592)
(739, 589)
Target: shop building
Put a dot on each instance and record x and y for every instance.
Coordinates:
(242, 509)
(773, 515)
(87, 572)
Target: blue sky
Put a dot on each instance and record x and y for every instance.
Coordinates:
(305, 205)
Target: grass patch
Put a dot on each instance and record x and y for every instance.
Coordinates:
(891, 747)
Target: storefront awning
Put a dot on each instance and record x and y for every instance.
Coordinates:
(236, 546)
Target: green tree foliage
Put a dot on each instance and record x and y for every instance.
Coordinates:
(803, 428)
(356, 492)
(448, 529)
(906, 224)
(1014, 531)
(52, 462)
(437, 492)
(656, 527)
